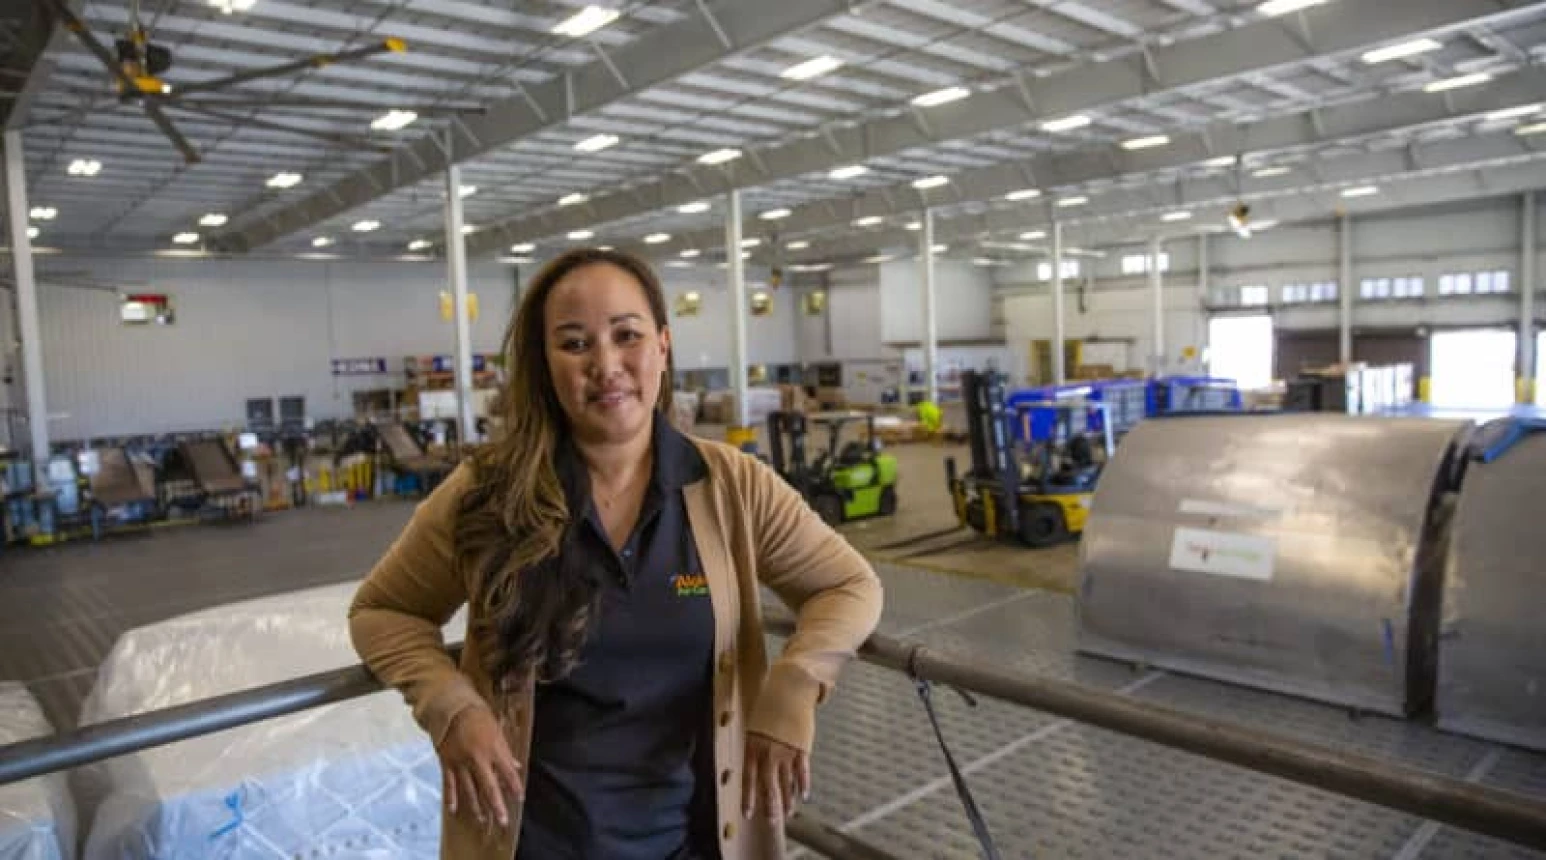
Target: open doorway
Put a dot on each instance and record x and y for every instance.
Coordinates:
(1240, 348)
(1473, 368)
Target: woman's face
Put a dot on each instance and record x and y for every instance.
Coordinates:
(606, 355)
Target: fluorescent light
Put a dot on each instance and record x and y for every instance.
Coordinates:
(868, 221)
(213, 219)
(581, 235)
(657, 238)
(469, 229)
(605, 248)
(1269, 172)
(1066, 123)
(719, 156)
(34, 232)
(1515, 112)
(942, 97)
(284, 180)
(1448, 84)
(1067, 202)
(1397, 52)
(394, 120)
(811, 267)
(1526, 130)
(679, 264)
(1221, 161)
(849, 172)
(1360, 191)
(420, 245)
(523, 248)
(878, 258)
(798, 245)
(812, 69)
(1273, 8)
(321, 242)
(746, 255)
(693, 208)
(365, 226)
(913, 226)
(1263, 225)
(776, 214)
(597, 142)
(751, 242)
(585, 22)
(44, 213)
(940, 249)
(1033, 236)
(468, 190)
(1023, 194)
(691, 253)
(1146, 142)
(573, 199)
(928, 182)
(521, 261)
(185, 238)
(85, 167)
(1177, 216)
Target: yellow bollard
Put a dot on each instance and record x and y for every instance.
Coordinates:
(1524, 391)
(744, 438)
(1424, 390)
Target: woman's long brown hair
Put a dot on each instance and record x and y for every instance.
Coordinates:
(516, 520)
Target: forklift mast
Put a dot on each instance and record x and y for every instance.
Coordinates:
(792, 424)
(987, 424)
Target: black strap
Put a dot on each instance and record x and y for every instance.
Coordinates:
(969, 803)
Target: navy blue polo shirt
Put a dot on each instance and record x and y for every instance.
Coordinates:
(621, 763)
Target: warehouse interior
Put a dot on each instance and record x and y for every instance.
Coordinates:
(1177, 364)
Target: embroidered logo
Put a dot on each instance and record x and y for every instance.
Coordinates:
(690, 585)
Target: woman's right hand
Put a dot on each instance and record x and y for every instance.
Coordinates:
(477, 768)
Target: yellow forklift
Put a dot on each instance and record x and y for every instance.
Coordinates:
(1034, 465)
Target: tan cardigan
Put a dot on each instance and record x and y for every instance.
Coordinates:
(749, 528)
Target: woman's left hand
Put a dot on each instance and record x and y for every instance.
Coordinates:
(776, 778)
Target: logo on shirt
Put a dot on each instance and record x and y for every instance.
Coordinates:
(690, 585)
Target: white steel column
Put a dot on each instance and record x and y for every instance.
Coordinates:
(456, 262)
(26, 304)
(1204, 293)
(1527, 357)
(1157, 287)
(1345, 293)
(737, 269)
(1059, 324)
(930, 339)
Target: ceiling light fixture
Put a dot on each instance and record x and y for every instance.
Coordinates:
(1067, 123)
(798, 245)
(691, 253)
(581, 235)
(365, 226)
(1274, 8)
(1150, 142)
(1033, 236)
(1401, 51)
(776, 214)
(1177, 216)
(693, 208)
(868, 221)
(657, 238)
(1269, 172)
(1527, 130)
(942, 97)
(229, 6)
(394, 120)
(321, 242)
(468, 190)
(33, 232)
(597, 142)
(929, 182)
(523, 248)
(469, 229)
(1515, 112)
(811, 267)
(719, 156)
(913, 226)
(1023, 194)
(43, 213)
(1068, 202)
(213, 219)
(185, 238)
(850, 172)
(573, 199)
(585, 22)
(420, 245)
(1222, 161)
(1448, 84)
(85, 167)
(878, 259)
(284, 180)
(813, 68)
(940, 249)
(751, 242)
(1360, 191)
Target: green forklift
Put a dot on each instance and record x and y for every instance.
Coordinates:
(843, 484)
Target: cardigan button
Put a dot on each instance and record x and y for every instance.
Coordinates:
(724, 719)
(724, 777)
(729, 831)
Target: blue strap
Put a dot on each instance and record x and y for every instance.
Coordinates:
(233, 802)
(1516, 429)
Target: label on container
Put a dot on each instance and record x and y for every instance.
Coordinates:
(1223, 553)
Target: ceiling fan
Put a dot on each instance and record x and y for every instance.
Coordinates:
(137, 64)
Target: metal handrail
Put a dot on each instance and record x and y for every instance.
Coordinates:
(1441, 798)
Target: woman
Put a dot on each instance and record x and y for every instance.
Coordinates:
(614, 699)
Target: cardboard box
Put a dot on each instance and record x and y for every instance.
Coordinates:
(831, 397)
(792, 398)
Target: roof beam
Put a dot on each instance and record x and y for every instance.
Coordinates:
(37, 37)
(1258, 47)
(656, 58)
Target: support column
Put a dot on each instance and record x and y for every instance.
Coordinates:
(737, 269)
(1204, 293)
(1059, 323)
(1157, 288)
(1345, 293)
(930, 338)
(1527, 357)
(26, 304)
(456, 263)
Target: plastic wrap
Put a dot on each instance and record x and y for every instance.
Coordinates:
(356, 780)
(37, 817)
